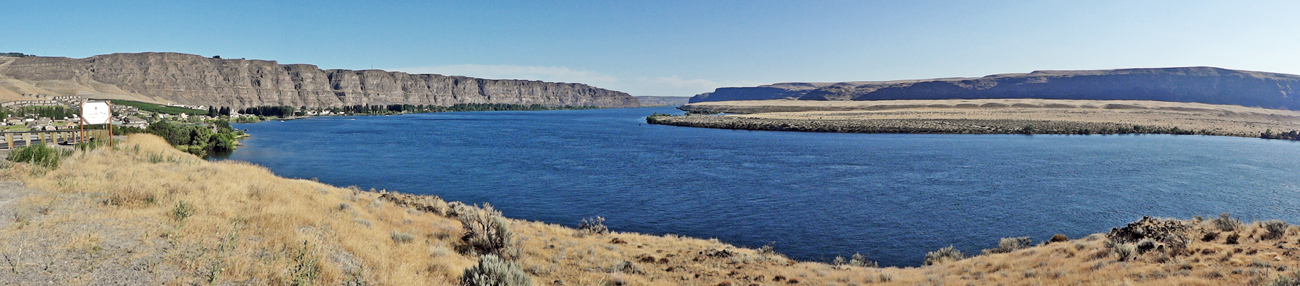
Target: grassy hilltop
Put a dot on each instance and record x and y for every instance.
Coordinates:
(145, 213)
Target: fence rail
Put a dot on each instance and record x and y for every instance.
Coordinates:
(29, 138)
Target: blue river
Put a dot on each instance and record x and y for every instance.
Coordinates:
(812, 196)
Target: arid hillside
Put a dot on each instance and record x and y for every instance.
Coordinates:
(144, 213)
(239, 83)
(1182, 84)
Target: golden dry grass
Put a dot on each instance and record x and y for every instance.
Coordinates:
(236, 223)
(1219, 119)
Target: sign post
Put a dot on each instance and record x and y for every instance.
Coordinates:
(97, 113)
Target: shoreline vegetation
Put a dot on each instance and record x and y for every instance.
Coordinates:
(263, 113)
(990, 116)
(146, 213)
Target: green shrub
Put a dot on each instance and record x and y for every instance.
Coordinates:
(943, 255)
(1225, 222)
(1283, 280)
(1276, 229)
(487, 232)
(1125, 251)
(402, 237)
(39, 155)
(182, 211)
(857, 259)
(493, 271)
(595, 225)
(1010, 244)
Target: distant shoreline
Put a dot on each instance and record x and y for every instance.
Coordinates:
(990, 116)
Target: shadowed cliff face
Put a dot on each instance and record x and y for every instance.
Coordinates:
(1193, 84)
(196, 80)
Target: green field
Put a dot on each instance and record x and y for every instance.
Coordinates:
(158, 108)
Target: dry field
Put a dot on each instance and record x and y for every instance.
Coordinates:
(992, 116)
(144, 213)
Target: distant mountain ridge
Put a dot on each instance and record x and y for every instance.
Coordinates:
(1184, 84)
(647, 100)
(197, 80)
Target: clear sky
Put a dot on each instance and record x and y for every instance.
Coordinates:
(678, 48)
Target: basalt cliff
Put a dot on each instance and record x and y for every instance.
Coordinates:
(197, 80)
(1186, 84)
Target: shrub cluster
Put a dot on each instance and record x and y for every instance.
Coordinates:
(595, 225)
(857, 259)
(1226, 222)
(39, 155)
(943, 255)
(1276, 229)
(1010, 244)
(196, 139)
(487, 232)
(494, 271)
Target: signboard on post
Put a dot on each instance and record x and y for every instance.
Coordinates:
(96, 112)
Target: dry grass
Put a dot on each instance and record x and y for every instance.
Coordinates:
(241, 224)
(1003, 115)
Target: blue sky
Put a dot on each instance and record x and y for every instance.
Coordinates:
(678, 48)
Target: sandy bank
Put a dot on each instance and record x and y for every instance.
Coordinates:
(990, 116)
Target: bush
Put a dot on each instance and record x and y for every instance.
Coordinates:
(182, 211)
(493, 271)
(1276, 229)
(402, 237)
(1146, 244)
(1010, 244)
(1225, 222)
(1232, 238)
(857, 259)
(1125, 251)
(487, 232)
(594, 226)
(1059, 238)
(943, 255)
(39, 155)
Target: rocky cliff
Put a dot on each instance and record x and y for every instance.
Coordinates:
(1189, 84)
(196, 80)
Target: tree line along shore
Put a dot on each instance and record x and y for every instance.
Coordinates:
(991, 116)
(144, 212)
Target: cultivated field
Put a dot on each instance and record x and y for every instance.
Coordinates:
(144, 213)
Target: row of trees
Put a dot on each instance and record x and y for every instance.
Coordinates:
(215, 111)
(53, 112)
(1289, 135)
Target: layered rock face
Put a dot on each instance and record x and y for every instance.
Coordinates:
(195, 80)
(1190, 84)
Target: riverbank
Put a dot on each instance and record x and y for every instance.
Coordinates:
(989, 116)
(145, 213)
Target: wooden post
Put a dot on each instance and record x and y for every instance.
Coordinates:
(9, 137)
(110, 124)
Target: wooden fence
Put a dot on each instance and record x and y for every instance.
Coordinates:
(29, 138)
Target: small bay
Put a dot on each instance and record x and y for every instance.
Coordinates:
(811, 195)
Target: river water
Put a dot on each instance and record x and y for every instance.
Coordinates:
(810, 195)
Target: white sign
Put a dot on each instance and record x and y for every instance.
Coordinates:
(96, 112)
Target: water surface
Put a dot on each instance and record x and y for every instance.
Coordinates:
(812, 195)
